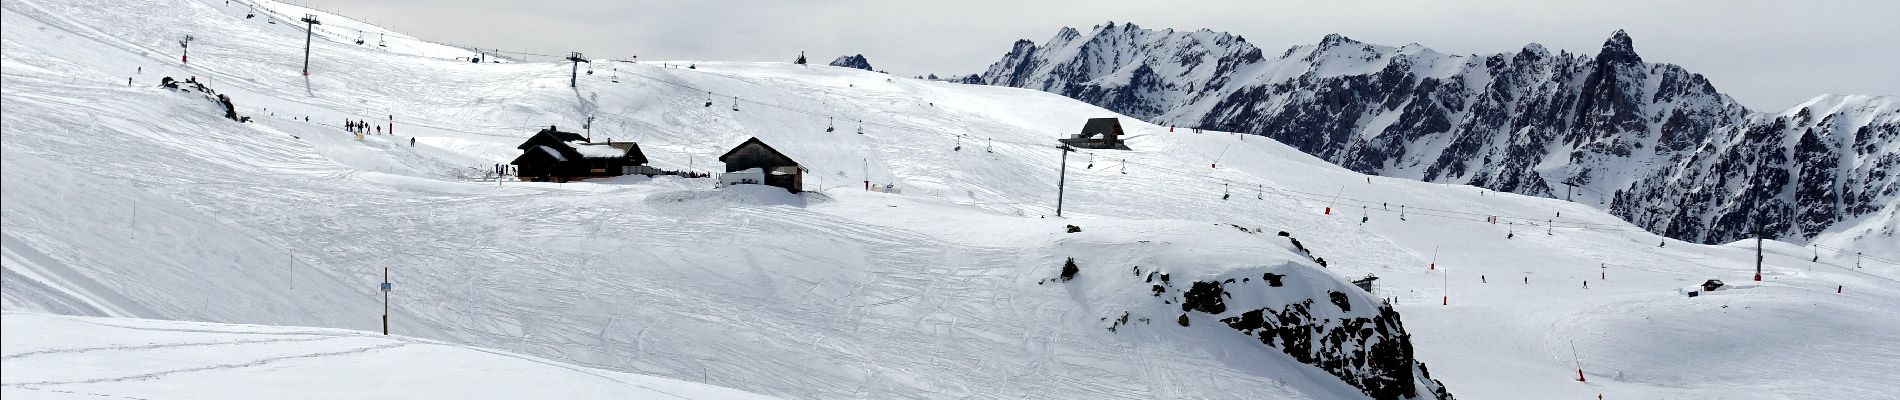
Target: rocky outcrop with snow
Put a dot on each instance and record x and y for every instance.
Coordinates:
(1651, 142)
(1283, 297)
(852, 61)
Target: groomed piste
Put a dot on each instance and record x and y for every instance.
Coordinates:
(154, 248)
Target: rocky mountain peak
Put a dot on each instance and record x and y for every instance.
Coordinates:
(1334, 39)
(1654, 143)
(1619, 48)
(852, 61)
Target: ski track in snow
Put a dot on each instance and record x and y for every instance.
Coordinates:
(138, 202)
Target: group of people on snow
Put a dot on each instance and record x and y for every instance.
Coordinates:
(354, 126)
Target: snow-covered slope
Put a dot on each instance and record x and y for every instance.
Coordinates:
(1650, 142)
(138, 201)
(65, 357)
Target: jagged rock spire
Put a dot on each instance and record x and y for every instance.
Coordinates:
(1618, 48)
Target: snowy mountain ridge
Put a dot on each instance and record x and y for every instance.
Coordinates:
(1653, 143)
(133, 201)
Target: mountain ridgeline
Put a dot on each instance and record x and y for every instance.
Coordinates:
(1653, 143)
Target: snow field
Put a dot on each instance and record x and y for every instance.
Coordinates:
(839, 294)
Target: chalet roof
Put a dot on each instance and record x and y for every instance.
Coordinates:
(539, 151)
(550, 135)
(631, 149)
(594, 150)
(556, 154)
(1097, 126)
(723, 157)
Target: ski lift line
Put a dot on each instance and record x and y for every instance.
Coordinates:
(1359, 201)
(274, 15)
(1481, 215)
(1038, 145)
(1432, 213)
(1843, 252)
(1428, 213)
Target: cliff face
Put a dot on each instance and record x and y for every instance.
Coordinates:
(1651, 142)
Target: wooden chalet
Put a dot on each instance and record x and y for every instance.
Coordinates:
(1098, 133)
(773, 167)
(555, 156)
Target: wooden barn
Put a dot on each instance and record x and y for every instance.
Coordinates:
(1099, 133)
(773, 167)
(555, 156)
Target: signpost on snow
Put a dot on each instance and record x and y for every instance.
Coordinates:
(310, 29)
(385, 289)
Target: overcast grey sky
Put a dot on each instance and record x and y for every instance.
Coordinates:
(1767, 54)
